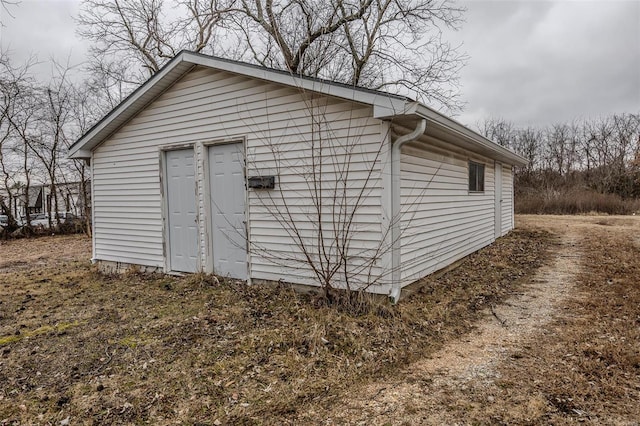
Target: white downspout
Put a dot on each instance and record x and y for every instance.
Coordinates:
(395, 207)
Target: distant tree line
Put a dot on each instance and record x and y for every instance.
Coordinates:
(597, 158)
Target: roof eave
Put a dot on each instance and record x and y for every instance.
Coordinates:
(477, 139)
(385, 106)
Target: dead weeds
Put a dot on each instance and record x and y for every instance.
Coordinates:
(160, 349)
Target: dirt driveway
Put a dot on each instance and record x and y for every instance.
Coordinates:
(494, 374)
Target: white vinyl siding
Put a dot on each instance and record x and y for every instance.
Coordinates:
(442, 221)
(127, 208)
(275, 124)
(280, 128)
(507, 199)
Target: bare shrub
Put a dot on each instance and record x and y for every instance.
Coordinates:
(574, 201)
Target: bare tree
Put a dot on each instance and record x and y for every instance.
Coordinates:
(54, 115)
(381, 44)
(147, 32)
(109, 82)
(499, 130)
(528, 143)
(7, 197)
(7, 5)
(398, 45)
(598, 147)
(85, 110)
(19, 107)
(560, 151)
(625, 136)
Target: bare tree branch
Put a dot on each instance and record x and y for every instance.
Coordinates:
(395, 45)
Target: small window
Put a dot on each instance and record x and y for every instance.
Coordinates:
(476, 177)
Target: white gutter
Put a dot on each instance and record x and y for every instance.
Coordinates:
(395, 207)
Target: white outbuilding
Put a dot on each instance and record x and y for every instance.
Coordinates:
(234, 169)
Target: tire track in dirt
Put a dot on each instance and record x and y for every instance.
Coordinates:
(438, 390)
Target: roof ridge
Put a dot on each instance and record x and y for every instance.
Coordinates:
(301, 76)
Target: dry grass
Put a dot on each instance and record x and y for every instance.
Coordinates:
(160, 350)
(43, 252)
(586, 368)
(577, 360)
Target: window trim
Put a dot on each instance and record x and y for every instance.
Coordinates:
(478, 183)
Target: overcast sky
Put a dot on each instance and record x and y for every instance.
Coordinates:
(531, 62)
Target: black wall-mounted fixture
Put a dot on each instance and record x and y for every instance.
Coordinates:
(261, 182)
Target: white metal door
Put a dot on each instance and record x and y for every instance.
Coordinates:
(181, 209)
(228, 195)
(498, 199)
